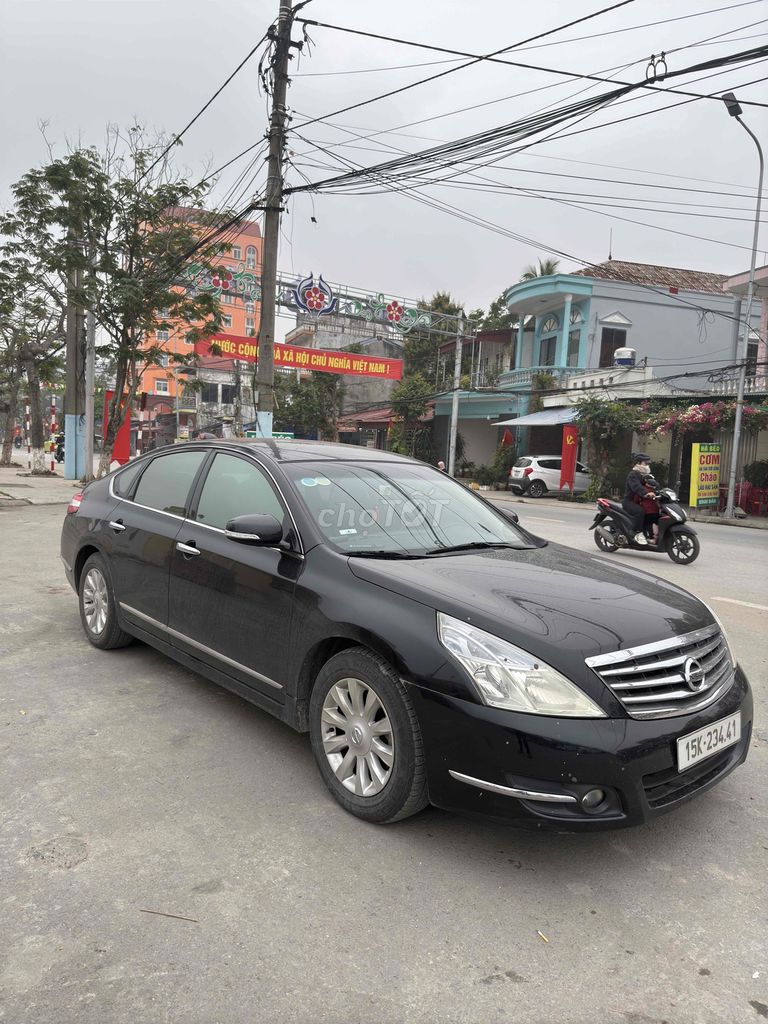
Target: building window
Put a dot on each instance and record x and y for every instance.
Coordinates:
(550, 325)
(161, 386)
(237, 252)
(611, 339)
(162, 360)
(250, 257)
(547, 351)
(249, 308)
(164, 313)
(210, 393)
(576, 315)
(752, 350)
(574, 339)
(228, 392)
(227, 321)
(250, 323)
(227, 299)
(162, 335)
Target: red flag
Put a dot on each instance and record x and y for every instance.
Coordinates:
(122, 450)
(570, 447)
(507, 438)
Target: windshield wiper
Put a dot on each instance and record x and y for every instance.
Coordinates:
(379, 553)
(472, 545)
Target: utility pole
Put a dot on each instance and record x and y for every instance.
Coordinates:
(74, 400)
(734, 109)
(265, 374)
(455, 398)
(90, 373)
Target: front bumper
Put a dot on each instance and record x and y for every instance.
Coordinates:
(634, 762)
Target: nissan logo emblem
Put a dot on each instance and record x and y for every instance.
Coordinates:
(693, 674)
(357, 735)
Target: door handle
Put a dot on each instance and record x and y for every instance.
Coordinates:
(116, 525)
(187, 549)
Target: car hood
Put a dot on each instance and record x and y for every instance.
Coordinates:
(553, 601)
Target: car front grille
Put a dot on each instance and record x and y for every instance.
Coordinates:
(671, 677)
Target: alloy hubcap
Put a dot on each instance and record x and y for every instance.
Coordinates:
(95, 601)
(358, 738)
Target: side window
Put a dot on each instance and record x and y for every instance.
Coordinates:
(124, 481)
(549, 463)
(236, 487)
(167, 480)
(580, 467)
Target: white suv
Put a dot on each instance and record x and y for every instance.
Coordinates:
(537, 474)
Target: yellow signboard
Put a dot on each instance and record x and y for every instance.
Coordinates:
(705, 476)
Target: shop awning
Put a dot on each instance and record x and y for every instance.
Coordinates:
(545, 418)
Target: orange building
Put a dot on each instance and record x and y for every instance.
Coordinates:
(241, 311)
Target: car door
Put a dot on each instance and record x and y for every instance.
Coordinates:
(144, 527)
(549, 471)
(231, 602)
(582, 479)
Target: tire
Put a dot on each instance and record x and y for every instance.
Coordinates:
(537, 489)
(356, 690)
(98, 612)
(683, 547)
(602, 543)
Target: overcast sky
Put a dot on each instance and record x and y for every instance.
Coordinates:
(79, 64)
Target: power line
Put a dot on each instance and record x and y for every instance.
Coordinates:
(475, 58)
(202, 110)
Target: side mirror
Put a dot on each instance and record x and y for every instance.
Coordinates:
(255, 529)
(510, 514)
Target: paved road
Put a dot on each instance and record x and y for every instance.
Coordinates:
(133, 789)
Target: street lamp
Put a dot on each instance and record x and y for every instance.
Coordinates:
(734, 109)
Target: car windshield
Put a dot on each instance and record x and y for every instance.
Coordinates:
(393, 508)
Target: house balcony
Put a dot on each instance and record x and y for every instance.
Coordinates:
(523, 378)
(753, 385)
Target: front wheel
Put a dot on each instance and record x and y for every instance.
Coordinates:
(683, 547)
(366, 738)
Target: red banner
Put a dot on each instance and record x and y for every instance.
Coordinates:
(570, 448)
(230, 346)
(122, 451)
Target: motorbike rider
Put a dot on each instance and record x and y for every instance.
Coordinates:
(650, 506)
(635, 492)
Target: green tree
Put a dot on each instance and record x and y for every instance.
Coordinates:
(127, 221)
(410, 401)
(421, 346)
(544, 269)
(499, 317)
(607, 430)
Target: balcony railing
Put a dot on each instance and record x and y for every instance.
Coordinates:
(524, 376)
(757, 385)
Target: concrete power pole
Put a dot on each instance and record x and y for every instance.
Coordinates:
(265, 375)
(455, 398)
(74, 399)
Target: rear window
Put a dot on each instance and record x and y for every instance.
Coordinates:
(166, 482)
(522, 462)
(124, 480)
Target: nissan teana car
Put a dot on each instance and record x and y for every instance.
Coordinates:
(434, 650)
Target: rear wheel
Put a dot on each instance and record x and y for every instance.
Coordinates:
(97, 606)
(537, 489)
(366, 738)
(683, 547)
(602, 542)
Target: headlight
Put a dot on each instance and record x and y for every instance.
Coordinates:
(508, 677)
(726, 641)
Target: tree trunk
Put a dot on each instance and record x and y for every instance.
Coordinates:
(36, 429)
(8, 428)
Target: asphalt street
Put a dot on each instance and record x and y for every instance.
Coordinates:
(170, 854)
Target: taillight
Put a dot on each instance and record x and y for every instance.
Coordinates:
(74, 503)
(528, 471)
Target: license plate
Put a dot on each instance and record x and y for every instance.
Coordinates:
(699, 745)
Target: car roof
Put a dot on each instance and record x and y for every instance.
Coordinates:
(284, 450)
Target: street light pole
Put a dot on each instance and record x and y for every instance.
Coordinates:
(454, 427)
(734, 109)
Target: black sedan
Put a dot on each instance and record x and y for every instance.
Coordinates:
(435, 651)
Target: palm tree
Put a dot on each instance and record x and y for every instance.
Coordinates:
(545, 268)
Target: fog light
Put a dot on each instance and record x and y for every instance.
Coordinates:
(592, 799)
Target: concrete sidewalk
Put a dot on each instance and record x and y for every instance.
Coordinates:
(18, 488)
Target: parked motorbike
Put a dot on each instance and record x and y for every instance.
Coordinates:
(614, 529)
